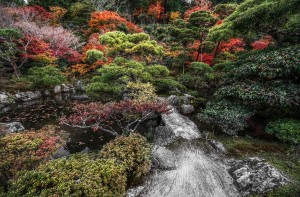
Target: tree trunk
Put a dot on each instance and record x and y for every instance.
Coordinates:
(216, 51)
(16, 70)
(165, 6)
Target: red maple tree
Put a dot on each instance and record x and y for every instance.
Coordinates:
(125, 115)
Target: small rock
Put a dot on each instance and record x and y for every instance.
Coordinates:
(255, 175)
(218, 146)
(28, 96)
(187, 109)
(6, 98)
(64, 88)
(187, 99)
(174, 101)
(11, 127)
(134, 192)
(79, 86)
(163, 158)
(46, 93)
(81, 97)
(57, 89)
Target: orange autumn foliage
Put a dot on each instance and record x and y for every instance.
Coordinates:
(156, 10)
(174, 16)
(106, 21)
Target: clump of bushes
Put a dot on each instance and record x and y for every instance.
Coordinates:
(80, 175)
(105, 174)
(114, 77)
(199, 75)
(168, 85)
(287, 130)
(24, 151)
(132, 151)
(45, 77)
(226, 116)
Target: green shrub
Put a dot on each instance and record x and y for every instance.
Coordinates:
(199, 75)
(94, 56)
(114, 77)
(265, 81)
(287, 130)
(132, 151)
(226, 116)
(80, 175)
(158, 71)
(45, 77)
(168, 84)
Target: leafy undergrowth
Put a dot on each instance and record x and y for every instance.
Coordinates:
(284, 157)
(107, 173)
(24, 151)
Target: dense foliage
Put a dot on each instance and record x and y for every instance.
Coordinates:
(79, 175)
(115, 76)
(132, 151)
(44, 77)
(24, 151)
(287, 130)
(225, 116)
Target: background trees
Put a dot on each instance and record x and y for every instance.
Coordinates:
(278, 19)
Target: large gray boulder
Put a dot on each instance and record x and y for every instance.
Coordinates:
(28, 96)
(11, 127)
(163, 158)
(255, 175)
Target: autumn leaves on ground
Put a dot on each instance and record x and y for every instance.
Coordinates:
(239, 60)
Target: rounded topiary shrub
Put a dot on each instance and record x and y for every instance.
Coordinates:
(287, 130)
(133, 152)
(80, 175)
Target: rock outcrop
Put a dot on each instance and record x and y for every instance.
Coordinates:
(28, 96)
(255, 175)
(180, 125)
(11, 127)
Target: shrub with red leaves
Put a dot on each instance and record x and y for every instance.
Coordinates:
(125, 115)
